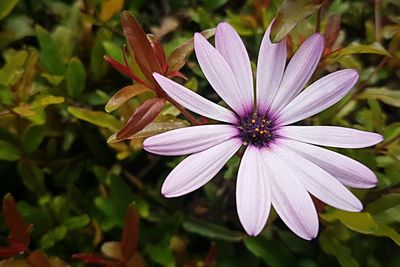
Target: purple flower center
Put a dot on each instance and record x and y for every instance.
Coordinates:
(256, 130)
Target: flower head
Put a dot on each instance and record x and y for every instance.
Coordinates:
(281, 165)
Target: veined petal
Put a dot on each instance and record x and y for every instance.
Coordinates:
(320, 183)
(189, 140)
(220, 76)
(197, 169)
(194, 102)
(289, 197)
(253, 195)
(347, 170)
(270, 67)
(299, 71)
(331, 136)
(231, 47)
(319, 96)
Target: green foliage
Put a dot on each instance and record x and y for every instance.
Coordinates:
(74, 180)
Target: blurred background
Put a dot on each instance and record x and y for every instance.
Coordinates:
(79, 191)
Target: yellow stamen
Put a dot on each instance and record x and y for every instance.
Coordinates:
(257, 129)
(253, 121)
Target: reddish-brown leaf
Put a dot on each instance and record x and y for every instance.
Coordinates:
(177, 59)
(14, 221)
(136, 261)
(139, 45)
(142, 116)
(210, 259)
(159, 52)
(332, 30)
(12, 250)
(130, 235)
(124, 95)
(93, 259)
(123, 69)
(38, 259)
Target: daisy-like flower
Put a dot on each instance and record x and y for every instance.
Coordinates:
(281, 165)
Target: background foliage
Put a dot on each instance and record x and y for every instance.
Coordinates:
(74, 190)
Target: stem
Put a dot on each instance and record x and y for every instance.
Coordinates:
(319, 15)
(378, 21)
(184, 112)
(387, 142)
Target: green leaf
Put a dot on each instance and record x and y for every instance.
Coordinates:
(98, 118)
(8, 151)
(161, 254)
(6, 6)
(12, 71)
(213, 4)
(32, 138)
(211, 231)
(46, 100)
(76, 77)
(387, 96)
(356, 48)
(50, 56)
(273, 254)
(77, 222)
(290, 13)
(97, 64)
(49, 239)
(385, 202)
(32, 176)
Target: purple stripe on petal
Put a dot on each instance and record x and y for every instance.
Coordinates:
(319, 96)
(331, 136)
(220, 75)
(194, 102)
(299, 71)
(270, 67)
(289, 197)
(189, 140)
(253, 195)
(231, 47)
(347, 170)
(320, 183)
(197, 169)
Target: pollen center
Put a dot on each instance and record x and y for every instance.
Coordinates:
(256, 130)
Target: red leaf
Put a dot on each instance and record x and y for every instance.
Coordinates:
(14, 221)
(38, 259)
(140, 46)
(93, 259)
(130, 235)
(159, 52)
(142, 116)
(122, 68)
(210, 259)
(12, 250)
(332, 30)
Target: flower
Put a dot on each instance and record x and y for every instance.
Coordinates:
(281, 165)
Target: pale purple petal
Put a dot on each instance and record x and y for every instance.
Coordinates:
(289, 197)
(194, 102)
(253, 195)
(299, 71)
(221, 77)
(189, 140)
(270, 67)
(320, 183)
(231, 47)
(319, 96)
(331, 136)
(197, 169)
(347, 170)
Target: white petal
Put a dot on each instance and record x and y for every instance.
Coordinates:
(319, 96)
(270, 67)
(347, 170)
(197, 169)
(331, 136)
(193, 101)
(221, 77)
(189, 140)
(253, 195)
(231, 47)
(320, 183)
(299, 71)
(289, 197)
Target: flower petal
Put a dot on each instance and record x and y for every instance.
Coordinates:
(194, 102)
(299, 71)
(347, 170)
(319, 96)
(289, 197)
(331, 136)
(270, 67)
(231, 47)
(253, 195)
(320, 183)
(197, 169)
(189, 140)
(221, 77)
